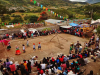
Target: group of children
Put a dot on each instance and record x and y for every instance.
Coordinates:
(17, 48)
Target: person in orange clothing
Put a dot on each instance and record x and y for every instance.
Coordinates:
(25, 64)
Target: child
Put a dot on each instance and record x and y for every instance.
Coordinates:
(39, 45)
(27, 43)
(34, 46)
(23, 48)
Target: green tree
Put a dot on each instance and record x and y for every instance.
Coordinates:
(17, 20)
(26, 17)
(33, 19)
(5, 18)
(3, 11)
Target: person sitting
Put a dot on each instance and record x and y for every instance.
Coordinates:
(91, 73)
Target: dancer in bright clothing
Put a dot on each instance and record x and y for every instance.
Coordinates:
(17, 51)
(34, 46)
(8, 47)
(39, 46)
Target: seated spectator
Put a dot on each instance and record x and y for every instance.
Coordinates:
(85, 60)
(91, 73)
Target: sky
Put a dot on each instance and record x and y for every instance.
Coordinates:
(89, 1)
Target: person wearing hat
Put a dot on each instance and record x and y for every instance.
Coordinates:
(13, 68)
(34, 46)
(17, 51)
(5, 72)
(39, 46)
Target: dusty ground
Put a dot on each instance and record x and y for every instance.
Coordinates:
(53, 48)
(58, 45)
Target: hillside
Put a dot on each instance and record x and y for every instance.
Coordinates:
(24, 3)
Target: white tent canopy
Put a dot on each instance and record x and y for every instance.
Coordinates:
(95, 21)
(22, 30)
(2, 29)
(8, 26)
(66, 26)
(32, 29)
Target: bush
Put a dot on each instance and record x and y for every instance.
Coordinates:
(33, 19)
(17, 20)
(47, 29)
(6, 18)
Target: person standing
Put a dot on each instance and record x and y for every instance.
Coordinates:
(76, 49)
(24, 48)
(8, 47)
(34, 46)
(32, 35)
(13, 69)
(29, 66)
(22, 69)
(39, 46)
(27, 43)
(17, 51)
(80, 49)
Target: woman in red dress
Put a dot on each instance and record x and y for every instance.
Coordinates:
(17, 51)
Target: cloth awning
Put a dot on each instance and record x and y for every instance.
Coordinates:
(73, 24)
(65, 26)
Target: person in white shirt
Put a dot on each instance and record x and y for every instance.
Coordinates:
(86, 60)
(43, 66)
(27, 43)
(23, 48)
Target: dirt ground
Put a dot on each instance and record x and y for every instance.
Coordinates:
(59, 45)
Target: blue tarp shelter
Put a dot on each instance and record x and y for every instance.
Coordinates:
(73, 24)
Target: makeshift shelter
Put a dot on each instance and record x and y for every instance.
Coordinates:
(32, 30)
(73, 24)
(65, 29)
(8, 26)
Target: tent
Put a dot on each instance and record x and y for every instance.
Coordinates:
(65, 26)
(22, 30)
(73, 24)
(8, 26)
(2, 29)
(65, 29)
(32, 30)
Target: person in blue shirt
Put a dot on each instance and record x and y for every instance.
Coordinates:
(57, 60)
(32, 35)
(39, 46)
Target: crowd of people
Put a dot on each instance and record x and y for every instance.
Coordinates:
(60, 65)
(28, 34)
(77, 31)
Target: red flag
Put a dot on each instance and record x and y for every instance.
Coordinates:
(30, 0)
(46, 9)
